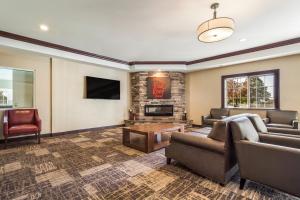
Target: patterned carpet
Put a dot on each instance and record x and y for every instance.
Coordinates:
(95, 165)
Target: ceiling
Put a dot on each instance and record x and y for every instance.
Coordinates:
(149, 30)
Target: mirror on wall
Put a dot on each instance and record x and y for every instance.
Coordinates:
(16, 88)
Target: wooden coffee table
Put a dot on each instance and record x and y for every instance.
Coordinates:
(151, 135)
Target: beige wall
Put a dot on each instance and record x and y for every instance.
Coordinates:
(204, 87)
(70, 111)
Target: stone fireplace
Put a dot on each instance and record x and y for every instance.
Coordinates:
(145, 108)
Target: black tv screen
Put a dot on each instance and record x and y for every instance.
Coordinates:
(99, 88)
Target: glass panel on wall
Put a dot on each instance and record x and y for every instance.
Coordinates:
(16, 88)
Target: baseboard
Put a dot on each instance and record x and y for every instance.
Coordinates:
(28, 137)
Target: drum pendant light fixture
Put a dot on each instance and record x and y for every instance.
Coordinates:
(215, 29)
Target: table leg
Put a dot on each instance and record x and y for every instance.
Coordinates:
(149, 142)
(126, 137)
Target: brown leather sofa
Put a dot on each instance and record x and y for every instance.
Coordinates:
(215, 114)
(210, 156)
(282, 119)
(268, 159)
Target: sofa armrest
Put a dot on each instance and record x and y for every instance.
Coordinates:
(38, 120)
(255, 158)
(199, 142)
(281, 140)
(295, 124)
(205, 117)
(284, 131)
(5, 123)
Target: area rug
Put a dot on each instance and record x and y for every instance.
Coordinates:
(95, 165)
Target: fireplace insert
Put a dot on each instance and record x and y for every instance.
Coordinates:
(158, 110)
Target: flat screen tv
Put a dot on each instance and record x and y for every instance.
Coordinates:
(100, 88)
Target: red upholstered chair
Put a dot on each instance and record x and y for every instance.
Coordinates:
(21, 122)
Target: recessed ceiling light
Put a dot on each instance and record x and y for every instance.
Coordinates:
(243, 40)
(44, 27)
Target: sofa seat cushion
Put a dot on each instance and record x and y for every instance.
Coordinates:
(23, 129)
(279, 125)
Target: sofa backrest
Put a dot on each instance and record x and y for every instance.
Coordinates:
(236, 111)
(282, 116)
(21, 116)
(243, 129)
(258, 123)
(217, 113)
(220, 129)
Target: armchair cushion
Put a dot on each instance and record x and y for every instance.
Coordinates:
(218, 131)
(243, 129)
(17, 117)
(23, 129)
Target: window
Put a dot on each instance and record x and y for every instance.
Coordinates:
(16, 88)
(257, 90)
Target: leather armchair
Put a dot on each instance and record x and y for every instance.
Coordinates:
(282, 119)
(21, 122)
(211, 156)
(260, 126)
(267, 159)
(216, 114)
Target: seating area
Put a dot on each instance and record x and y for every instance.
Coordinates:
(154, 100)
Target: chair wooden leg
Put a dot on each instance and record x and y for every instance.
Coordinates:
(39, 137)
(242, 183)
(169, 160)
(5, 145)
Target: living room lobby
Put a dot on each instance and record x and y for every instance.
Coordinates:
(149, 100)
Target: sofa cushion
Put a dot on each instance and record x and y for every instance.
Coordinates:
(258, 123)
(219, 113)
(23, 129)
(274, 125)
(243, 129)
(282, 117)
(21, 116)
(218, 131)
